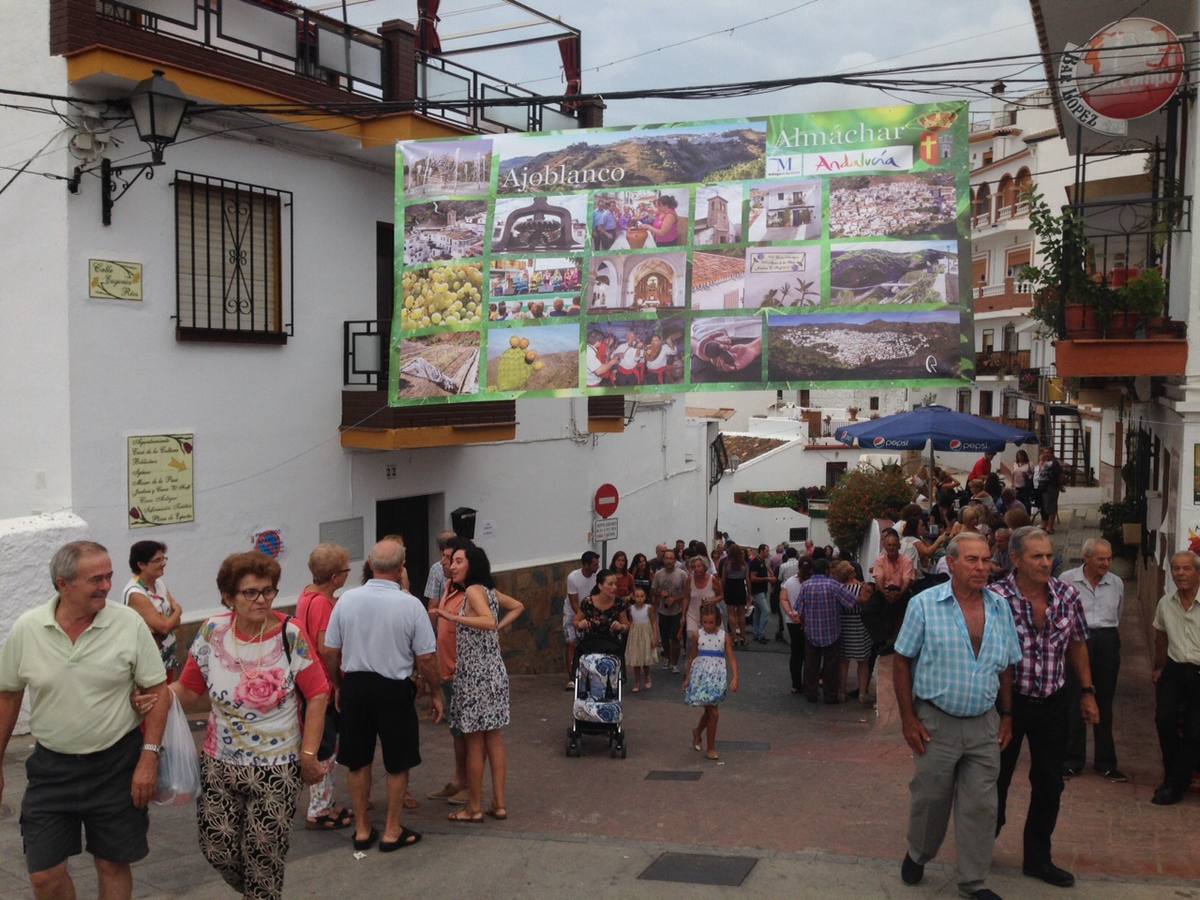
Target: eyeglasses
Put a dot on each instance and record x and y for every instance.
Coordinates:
(252, 594)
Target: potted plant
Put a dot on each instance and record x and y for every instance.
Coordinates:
(1145, 297)
(1062, 249)
(853, 413)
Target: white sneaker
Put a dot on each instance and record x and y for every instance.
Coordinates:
(666, 664)
(675, 669)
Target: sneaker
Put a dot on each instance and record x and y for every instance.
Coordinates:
(570, 686)
(666, 664)
(675, 669)
(1114, 775)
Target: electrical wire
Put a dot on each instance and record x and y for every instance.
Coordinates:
(25, 165)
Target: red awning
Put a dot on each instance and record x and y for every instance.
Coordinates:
(427, 19)
(568, 49)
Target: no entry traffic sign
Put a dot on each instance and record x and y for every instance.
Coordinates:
(606, 500)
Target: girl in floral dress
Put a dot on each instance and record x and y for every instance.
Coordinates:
(704, 684)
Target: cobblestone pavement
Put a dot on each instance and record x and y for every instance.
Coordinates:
(816, 794)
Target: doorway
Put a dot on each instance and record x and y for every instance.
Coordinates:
(409, 518)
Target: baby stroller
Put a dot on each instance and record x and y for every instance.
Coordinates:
(596, 708)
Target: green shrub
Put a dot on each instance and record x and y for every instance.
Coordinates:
(860, 496)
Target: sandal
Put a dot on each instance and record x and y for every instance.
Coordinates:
(365, 843)
(712, 754)
(635, 689)
(465, 818)
(498, 812)
(696, 740)
(331, 821)
(407, 839)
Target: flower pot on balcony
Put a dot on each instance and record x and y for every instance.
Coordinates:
(1158, 326)
(1082, 321)
(1123, 324)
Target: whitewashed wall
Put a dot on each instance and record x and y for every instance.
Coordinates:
(35, 473)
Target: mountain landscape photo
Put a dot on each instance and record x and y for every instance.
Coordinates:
(901, 275)
(646, 158)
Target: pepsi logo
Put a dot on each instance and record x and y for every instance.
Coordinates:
(879, 442)
(955, 444)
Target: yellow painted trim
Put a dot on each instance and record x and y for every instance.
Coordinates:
(606, 426)
(432, 436)
(379, 131)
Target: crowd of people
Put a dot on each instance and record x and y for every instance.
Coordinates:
(991, 649)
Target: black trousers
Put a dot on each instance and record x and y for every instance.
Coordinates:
(1104, 654)
(821, 668)
(1177, 702)
(1045, 724)
(796, 655)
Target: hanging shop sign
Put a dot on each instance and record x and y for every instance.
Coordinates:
(1126, 70)
(789, 251)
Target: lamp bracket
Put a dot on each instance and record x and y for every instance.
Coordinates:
(109, 176)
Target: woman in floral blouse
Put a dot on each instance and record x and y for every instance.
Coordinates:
(255, 666)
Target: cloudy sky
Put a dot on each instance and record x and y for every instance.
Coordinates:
(822, 37)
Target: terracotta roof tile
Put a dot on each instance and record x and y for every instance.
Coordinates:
(711, 268)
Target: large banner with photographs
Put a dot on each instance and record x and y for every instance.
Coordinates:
(802, 251)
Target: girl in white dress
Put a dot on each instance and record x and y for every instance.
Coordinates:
(640, 649)
(710, 658)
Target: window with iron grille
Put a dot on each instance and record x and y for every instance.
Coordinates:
(233, 260)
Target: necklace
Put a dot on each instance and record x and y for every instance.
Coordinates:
(257, 667)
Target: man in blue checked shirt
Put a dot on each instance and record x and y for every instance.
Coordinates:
(954, 655)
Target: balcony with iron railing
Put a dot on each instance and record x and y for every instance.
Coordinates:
(1001, 363)
(289, 51)
(1110, 335)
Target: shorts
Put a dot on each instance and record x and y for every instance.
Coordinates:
(448, 700)
(569, 631)
(93, 790)
(377, 707)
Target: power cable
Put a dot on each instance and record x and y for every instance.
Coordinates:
(25, 165)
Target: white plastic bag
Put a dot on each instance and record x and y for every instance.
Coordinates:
(178, 767)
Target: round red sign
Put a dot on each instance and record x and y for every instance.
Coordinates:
(1130, 68)
(606, 500)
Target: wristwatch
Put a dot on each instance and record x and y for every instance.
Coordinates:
(1087, 690)
(153, 748)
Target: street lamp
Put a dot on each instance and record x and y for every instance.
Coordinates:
(158, 107)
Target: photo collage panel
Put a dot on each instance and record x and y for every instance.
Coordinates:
(618, 260)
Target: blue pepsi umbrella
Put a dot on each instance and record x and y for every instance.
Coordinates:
(945, 428)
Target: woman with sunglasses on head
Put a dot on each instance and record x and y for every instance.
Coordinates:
(253, 665)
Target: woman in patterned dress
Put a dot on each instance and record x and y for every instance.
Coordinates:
(480, 706)
(856, 642)
(254, 665)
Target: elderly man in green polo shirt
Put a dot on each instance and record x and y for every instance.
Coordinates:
(80, 659)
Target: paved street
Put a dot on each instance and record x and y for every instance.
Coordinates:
(816, 795)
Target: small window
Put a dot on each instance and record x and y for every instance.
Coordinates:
(805, 399)
(988, 339)
(873, 404)
(233, 260)
(964, 401)
(797, 535)
(985, 403)
(834, 471)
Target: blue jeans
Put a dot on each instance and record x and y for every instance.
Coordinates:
(762, 615)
